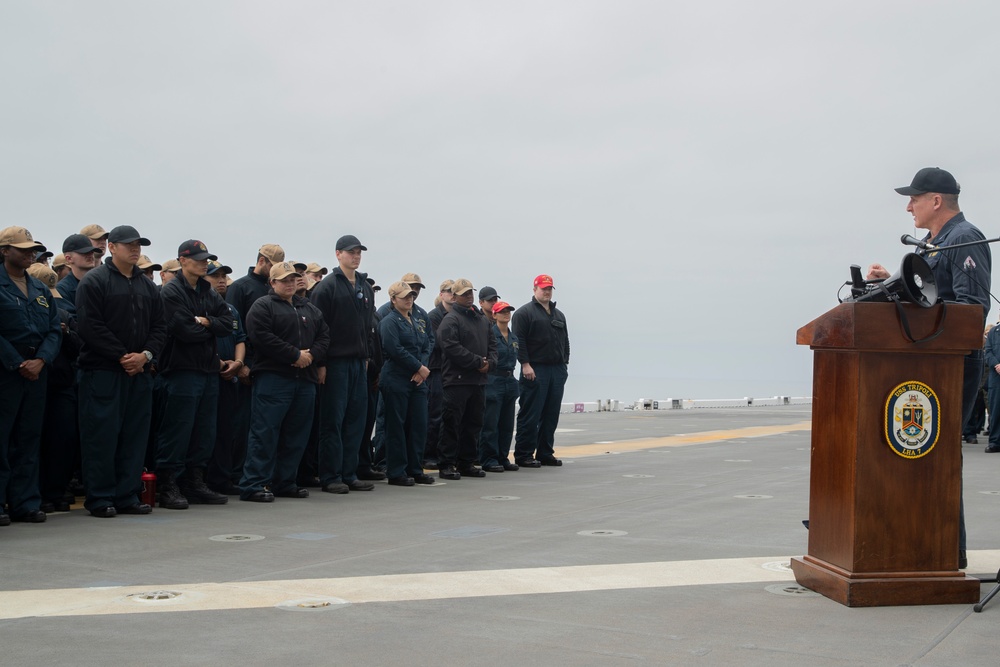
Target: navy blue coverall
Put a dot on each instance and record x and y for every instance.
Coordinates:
(501, 401)
(406, 346)
(29, 329)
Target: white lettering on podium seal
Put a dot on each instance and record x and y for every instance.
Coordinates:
(912, 419)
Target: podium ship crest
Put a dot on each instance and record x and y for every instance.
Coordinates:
(912, 415)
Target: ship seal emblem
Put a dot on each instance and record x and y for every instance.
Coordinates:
(912, 419)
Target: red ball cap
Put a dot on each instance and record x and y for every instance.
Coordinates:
(544, 280)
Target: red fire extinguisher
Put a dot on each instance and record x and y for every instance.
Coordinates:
(149, 488)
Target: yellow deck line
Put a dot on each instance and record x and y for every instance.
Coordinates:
(680, 440)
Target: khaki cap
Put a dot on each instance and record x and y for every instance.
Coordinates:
(447, 285)
(95, 232)
(146, 263)
(46, 275)
(282, 270)
(19, 237)
(413, 279)
(59, 261)
(172, 265)
(316, 268)
(273, 252)
(400, 288)
(461, 286)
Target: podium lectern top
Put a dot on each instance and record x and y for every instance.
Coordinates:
(877, 326)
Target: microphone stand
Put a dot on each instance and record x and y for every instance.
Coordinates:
(930, 247)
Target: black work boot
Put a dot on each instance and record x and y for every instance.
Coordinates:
(192, 485)
(170, 497)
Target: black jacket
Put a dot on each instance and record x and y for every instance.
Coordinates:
(190, 346)
(435, 316)
(117, 315)
(62, 372)
(278, 330)
(542, 337)
(466, 340)
(242, 294)
(349, 311)
(244, 291)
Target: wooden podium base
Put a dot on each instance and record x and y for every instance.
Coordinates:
(884, 589)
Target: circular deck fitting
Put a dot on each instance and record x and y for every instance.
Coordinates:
(313, 604)
(154, 596)
(778, 566)
(638, 476)
(792, 590)
(236, 538)
(602, 533)
(753, 496)
(501, 497)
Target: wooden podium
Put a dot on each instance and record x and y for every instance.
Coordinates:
(883, 526)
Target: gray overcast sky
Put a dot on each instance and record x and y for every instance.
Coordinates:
(696, 176)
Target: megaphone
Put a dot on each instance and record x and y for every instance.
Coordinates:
(913, 283)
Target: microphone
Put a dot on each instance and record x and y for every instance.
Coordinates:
(906, 239)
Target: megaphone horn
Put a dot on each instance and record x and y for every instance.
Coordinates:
(914, 282)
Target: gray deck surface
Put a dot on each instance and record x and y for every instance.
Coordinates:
(452, 575)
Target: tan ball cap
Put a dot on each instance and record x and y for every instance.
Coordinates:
(282, 270)
(19, 237)
(461, 286)
(273, 252)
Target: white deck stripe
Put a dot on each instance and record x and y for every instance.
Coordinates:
(407, 587)
(389, 588)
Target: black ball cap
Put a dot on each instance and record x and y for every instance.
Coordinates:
(349, 242)
(126, 234)
(194, 249)
(487, 293)
(931, 179)
(79, 243)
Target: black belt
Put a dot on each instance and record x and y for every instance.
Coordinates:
(503, 374)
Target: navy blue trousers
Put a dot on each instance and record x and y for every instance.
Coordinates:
(538, 416)
(405, 427)
(60, 443)
(498, 420)
(461, 422)
(22, 411)
(115, 410)
(187, 432)
(226, 465)
(344, 407)
(280, 418)
(971, 378)
(435, 396)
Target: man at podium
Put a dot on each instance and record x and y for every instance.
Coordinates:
(962, 274)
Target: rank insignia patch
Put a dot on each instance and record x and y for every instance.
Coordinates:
(912, 419)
